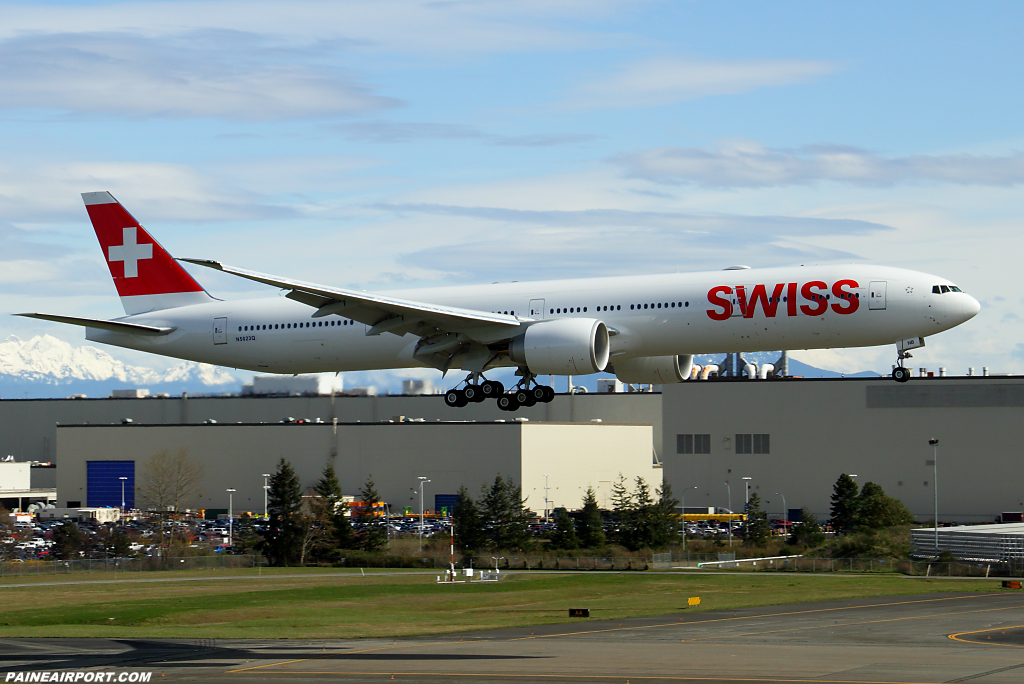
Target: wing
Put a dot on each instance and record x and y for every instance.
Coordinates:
(115, 326)
(386, 314)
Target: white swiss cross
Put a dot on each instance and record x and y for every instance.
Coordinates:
(130, 253)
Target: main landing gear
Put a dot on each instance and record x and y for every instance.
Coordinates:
(522, 394)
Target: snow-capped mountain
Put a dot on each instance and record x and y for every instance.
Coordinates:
(45, 366)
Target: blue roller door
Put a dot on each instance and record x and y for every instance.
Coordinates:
(104, 483)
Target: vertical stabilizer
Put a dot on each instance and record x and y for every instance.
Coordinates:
(147, 278)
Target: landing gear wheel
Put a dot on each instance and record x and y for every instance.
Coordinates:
(455, 398)
(474, 394)
(492, 389)
(900, 374)
(507, 402)
(539, 393)
(524, 397)
(549, 394)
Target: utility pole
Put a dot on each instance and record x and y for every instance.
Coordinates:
(123, 480)
(266, 491)
(547, 518)
(935, 488)
(785, 513)
(231, 513)
(730, 512)
(423, 481)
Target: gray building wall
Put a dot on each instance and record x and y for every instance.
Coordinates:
(876, 429)
(575, 456)
(28, 427)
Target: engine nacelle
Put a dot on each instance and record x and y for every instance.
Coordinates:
(563, 346)
(654, 370)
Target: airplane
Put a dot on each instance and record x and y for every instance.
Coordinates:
(644, 329)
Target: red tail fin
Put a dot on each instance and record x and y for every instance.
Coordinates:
(146, 276)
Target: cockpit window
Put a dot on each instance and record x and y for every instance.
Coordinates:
(945, 289)
(936, 290)
(954, 288)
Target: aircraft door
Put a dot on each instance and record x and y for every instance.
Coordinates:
(537, 308)
(220, 330)
(876, 295)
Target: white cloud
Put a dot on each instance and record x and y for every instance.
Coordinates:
(741, 163)
(40, 192)
(665, 81)
(219, 74)
(395, 26)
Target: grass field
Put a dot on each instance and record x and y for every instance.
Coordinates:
(321, 605)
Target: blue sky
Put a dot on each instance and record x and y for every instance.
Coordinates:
(392, 144)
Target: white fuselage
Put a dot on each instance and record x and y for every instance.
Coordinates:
(798, 308)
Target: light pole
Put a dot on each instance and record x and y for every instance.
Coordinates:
(682, 505)
(266, 492)
(785, 513)
(746, 492)
(231, 512)
(423, 481)
(730, 512)
(387, 523)
(546, 518)
(123, 480)
(496, 562)
(935, 488)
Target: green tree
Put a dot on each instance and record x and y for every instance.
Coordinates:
(373, 536)
(564, 536)
(757, 529)
(844, 504)
(334, 511)
(623, 511)
(664, 520)
(469, 534)
(505, 520)
(68, 540)
(591, 526)
(117, 543)
(806, 532)
(246, 536)
(282, 543)
(877, 510)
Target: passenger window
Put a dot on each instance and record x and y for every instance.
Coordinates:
(659, 305)
(584, 309)
(687, 303)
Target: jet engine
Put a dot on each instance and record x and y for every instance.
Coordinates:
(654, 370)
(563, 346)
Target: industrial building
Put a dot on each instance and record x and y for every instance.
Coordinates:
(792, 437)
(550, 461)
(789, 440)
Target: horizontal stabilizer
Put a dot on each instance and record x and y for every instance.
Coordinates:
(113, 326)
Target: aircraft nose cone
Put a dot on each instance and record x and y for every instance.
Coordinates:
(971, 307)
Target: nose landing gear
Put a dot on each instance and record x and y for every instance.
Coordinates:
(899, 373)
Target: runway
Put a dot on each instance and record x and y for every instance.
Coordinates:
(976, 637)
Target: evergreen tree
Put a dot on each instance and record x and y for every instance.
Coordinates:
(564, 536)
(844, 504)
(807, 532)
(335, 513)
(469, 534)
(877, 510)
(372, 534)
(247, 537)
(282, 543)
(506, 522)
(623, 509)
(591, 526)
(665, 520)
(68, 540)
(757, 529)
